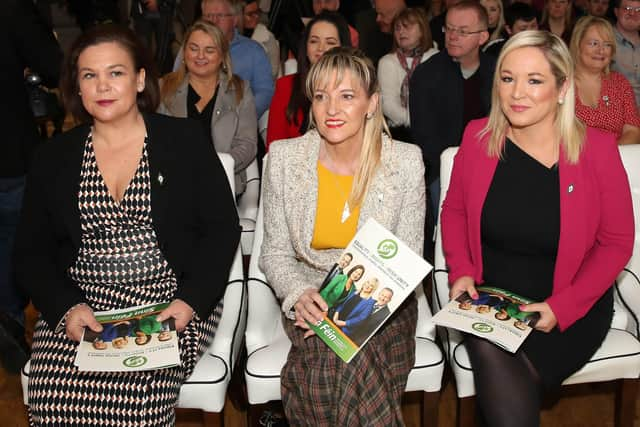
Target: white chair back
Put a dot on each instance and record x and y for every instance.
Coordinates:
(627, 291)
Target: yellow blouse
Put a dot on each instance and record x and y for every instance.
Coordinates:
(333, 191)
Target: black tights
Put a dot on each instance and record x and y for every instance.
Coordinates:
(507, 385)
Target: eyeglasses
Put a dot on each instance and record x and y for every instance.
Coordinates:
(631, 9)
(597, 44)
(217, 16)
(460, 32)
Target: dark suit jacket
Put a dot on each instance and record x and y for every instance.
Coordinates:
(436, 105)
(369, 324)
(373, 42)
(25, 41)
(193, 213)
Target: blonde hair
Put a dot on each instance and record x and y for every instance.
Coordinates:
(374, 284)
(500, 25)
(172, 81)
(582, 26)
(342, 60)
(571, 130)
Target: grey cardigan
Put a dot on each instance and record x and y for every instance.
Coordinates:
(234, 127)
(395, 198)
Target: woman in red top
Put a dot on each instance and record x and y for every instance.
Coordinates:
(604, 98)
(289, 110)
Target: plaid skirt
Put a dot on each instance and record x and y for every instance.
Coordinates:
(319, 389)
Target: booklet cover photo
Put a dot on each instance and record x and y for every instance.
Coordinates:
(373, 276)
(131, 340)
(495, 315)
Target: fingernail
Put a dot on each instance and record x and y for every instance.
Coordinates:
(521, 307)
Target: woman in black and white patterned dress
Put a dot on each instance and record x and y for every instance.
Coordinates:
(130, 208)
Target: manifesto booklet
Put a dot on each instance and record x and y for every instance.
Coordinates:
(131, 340)
(373, 276)
(494, 315)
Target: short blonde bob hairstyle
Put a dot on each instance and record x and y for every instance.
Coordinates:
(342, 60)
(605, 30)
(572, 131)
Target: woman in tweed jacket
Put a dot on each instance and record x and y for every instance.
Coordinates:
(347, 138)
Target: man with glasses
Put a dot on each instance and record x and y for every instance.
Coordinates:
(627, 58)
(248, 58)
(450, 89)
(255, 30)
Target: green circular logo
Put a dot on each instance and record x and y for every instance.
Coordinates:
(387, 248)
(482, 327)
(134, 361)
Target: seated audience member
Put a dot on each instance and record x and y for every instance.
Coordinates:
(627, 31)
(253, 29)
(333, 6)
(495, 16)
(412, 45)
(206, 89)
(557, 17)
(437, 23)
(124, 210)
(249, 59)
(604, 98)
(452, 87)
(518, 17)
(375, 27)
(509, 220)
(598, 8)
(326, 182)
(289, 111)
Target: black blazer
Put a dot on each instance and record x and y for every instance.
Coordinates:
(192, 209)
(25, 41)
(436, 105)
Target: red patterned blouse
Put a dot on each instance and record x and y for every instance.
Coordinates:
(616, 106)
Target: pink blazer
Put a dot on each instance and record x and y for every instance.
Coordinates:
(596, 220)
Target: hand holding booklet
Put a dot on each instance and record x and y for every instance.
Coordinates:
(131, 340)
(373, 276)
(494, 315)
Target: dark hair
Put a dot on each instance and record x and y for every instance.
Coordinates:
(519, 11)
(415, 15)
(481, 12)
(357, 267)
(147, 100)
(299, 98)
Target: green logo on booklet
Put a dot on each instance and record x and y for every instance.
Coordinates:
(482, 327)
(134, 361)
(387, 248)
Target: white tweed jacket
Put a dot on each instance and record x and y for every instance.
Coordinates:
(395, 198)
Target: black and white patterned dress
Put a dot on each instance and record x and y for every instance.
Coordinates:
(119, 265)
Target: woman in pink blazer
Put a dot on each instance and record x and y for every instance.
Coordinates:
(540, 205)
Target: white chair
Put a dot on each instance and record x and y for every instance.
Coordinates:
(268, 345)
(619, 356)
(206, 388)
(248, 207)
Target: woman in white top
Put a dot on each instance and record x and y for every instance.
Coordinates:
(412, 45)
